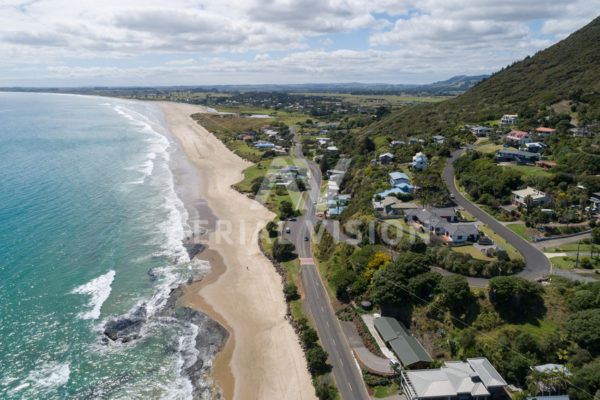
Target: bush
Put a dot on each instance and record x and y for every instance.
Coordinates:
(456, 292)
(283, 250)
(582, 328)
(291, 291)
(317, 360)
(515, 296)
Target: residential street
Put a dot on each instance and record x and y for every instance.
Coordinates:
(537, 263)
(345, 369)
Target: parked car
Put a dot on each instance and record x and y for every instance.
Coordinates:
(306, 238)
(288, 230)
(292, 219)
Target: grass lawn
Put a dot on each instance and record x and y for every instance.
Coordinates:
(489, 148)
(475, 253)
(521, 230)
(512, 252)
(572, 247)
(530, 170)
(386, 391)
(566, 262)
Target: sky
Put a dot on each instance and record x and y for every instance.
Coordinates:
(212, 42)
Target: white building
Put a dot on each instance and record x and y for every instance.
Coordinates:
(474, 379)
(420, 161)
(509, 119)
(519, 197)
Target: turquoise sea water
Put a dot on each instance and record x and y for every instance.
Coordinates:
(87, 207)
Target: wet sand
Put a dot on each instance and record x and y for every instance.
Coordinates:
(262, 359)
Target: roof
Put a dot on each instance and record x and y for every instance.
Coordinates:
(529, 191)
(432, 214)
(462, 229)
(551, 368)
(407, 348)
(488, 374)
(439, 137)
(389, 155)
(562, 397)
(473, 377)
(518, 153)
(399, 175)
(517, 134)
(544, 129)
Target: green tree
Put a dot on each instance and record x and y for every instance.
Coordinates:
(272, 228)
(316, 358)
(286, 210)
(456, 293)
(283, 250)
(596, 235)
(291, 291)
(582, 328)
(300, 185)
(514, 296)
(309, 337)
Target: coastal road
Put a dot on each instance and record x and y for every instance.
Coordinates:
(345, 369)
(537, 264)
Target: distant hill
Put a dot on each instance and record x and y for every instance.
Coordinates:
(451, 87)
(568, 70)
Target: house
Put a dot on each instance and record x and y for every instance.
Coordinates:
(391, 206)
(439, 139)
(433, 219)
(419, 161)
(415, 140)
(397, 178)
(481, 131)
(523, 157)
(516, 138)
(395, 143)
(509, 119)
(461, 232)
(386, 158)
(474, 379)
(534, 147)
(536, 197)
(262, 144)
(332, 149)
(408, 349)
(543, 132)
(595, 200)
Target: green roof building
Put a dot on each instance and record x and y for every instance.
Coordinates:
(408, 349)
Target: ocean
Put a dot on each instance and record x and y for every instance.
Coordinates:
(92, 225)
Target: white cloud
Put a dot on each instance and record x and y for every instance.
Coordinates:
(414, 40)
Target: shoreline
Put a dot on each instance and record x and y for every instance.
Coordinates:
(262, 358)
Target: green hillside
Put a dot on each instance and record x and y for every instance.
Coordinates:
(568, 70)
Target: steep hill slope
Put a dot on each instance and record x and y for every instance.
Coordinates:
(568, 69)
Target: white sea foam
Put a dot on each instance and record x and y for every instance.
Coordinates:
(47, 376)
(98, 289)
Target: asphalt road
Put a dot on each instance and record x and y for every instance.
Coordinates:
(537, 263)
(345, 370)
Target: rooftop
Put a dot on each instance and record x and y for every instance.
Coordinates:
(407, 348)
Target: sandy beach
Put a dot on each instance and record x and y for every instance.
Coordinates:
(263, 358)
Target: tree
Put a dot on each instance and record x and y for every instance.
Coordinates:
(515, 296)
(368, 145)
(456, 293)
(286, 210)
(272, 228)
(317, 360)
(291, 291)
(425, 285)
(582, 328)
(342, 278)
(596, 235)
(309, 337)
(300, 185)
(256, 184)
(283, 250)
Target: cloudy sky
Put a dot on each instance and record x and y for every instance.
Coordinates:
(187, 42)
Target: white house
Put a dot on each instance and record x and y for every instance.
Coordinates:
(519, 197)
(474, 379)
(509, 119)
(518, 137)
(419, 161)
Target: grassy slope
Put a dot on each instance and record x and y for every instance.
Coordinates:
(540, 80)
